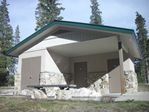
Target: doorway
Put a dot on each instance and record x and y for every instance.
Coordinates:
(80, 70)
(30, 71)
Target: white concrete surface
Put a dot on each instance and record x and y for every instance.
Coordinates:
(138, 96)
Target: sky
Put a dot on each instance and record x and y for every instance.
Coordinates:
(119, 13)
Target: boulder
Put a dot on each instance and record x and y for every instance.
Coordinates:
(26, 92)
(38, 94)
(34, 93)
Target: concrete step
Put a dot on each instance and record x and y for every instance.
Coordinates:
(138, 96)
(6, 91)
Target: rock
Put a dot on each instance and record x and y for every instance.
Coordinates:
(34, 93)
(85, 94)
(26, 92)
(38, 94)
(52, 92)
(79, 94)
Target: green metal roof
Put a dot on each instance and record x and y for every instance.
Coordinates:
(72, 24)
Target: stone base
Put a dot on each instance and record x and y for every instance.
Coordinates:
(101, 85)
(51, 78)
(56, 93)
(76, 94)
(131, 82)
(94, 92)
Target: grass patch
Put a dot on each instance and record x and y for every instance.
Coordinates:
(11, 104)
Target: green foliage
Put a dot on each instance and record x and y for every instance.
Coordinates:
(148, 49)
(3, 78)
(47, 11)
(5, 28)
(16, 40)
(140, 70)
(16, 36)
(141, 33)
(6, 41)
(95, 17)
(10, 79)
(142, 65)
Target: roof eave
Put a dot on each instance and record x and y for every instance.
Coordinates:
(71, 24)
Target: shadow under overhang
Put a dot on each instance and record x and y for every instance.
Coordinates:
(96, 46)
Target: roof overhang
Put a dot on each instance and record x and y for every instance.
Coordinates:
(90, 47)
(126, 35)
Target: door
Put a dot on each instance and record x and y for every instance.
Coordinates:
(80, 69)
(114, 76)
(30, 72)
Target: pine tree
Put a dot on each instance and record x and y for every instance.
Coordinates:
(5, 41)
(148, 48)
(147, 59)
(16, 40)
(47, 11)
(142, 40)
(95, 17)
(17, 35)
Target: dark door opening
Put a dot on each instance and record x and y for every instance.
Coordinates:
(80, 69)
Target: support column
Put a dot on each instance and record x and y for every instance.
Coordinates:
(122, 78)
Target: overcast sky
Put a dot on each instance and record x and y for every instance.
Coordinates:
(120, 13)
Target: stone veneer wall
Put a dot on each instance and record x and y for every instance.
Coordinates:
(94, 91)
(49, 78)
(101, 85)
(131, 81)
